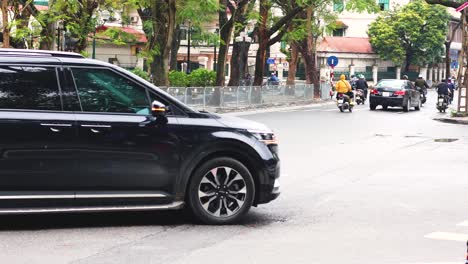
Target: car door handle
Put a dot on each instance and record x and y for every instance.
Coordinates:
(56, 128)
(96, 128)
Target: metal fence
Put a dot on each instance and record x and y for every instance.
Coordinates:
(235, 97)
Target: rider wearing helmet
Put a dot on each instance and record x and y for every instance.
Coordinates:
(343, 87)
(361, 84)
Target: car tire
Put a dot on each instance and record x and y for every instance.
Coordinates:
(385, 107)
(228, 191)
(407, 107)
(372, 106)
(417, 108)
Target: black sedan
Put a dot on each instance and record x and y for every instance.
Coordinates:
(392, 92)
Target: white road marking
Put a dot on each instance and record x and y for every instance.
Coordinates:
(448, 236)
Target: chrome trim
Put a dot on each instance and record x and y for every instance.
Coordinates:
(97, 126)
(118, 195)
(81, 196)
(37, 196)
(171, 206)
(56, 125)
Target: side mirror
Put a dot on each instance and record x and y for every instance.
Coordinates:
(158, 109)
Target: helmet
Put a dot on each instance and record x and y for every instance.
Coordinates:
(405, 77)
(361, 76)
(420, 76)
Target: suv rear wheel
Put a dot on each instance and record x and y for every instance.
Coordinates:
(221, 191)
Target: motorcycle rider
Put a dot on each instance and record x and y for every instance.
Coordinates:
(421, 85)
(361, 84)
(443, 89)
(452, 89)
(353, 81)
(343, 87)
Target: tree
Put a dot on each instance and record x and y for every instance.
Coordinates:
(412, 34)
(6, 26)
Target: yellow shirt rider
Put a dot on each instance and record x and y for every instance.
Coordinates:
(343, 87)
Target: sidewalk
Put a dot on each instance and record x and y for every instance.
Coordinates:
(453, 120)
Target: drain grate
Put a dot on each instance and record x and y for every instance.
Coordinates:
(445, 140)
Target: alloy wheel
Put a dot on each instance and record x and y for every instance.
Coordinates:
(222, 192)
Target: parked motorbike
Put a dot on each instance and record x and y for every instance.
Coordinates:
(360, 99)
(343, 102)
(442, 103)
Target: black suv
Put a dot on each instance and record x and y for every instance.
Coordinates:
(81, 135)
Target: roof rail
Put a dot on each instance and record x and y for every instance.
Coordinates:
(48, 53)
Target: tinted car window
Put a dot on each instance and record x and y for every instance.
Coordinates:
(102, 90)
(397, 84)
(24, 87)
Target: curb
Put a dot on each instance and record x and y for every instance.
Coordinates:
(452, 121)
(252, 111)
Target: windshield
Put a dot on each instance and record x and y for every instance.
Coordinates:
(396, 84)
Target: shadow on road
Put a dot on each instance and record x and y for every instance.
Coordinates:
(118, 219)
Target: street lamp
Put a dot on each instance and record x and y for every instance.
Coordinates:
(215, 45)
(242, 39)
(103, 17)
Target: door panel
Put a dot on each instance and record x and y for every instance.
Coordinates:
(37, 138)
(36, 151)
(118, 153)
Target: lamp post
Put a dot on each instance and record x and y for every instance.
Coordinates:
(104, 16)
(242, 39)
(215, 45)
(188, 46)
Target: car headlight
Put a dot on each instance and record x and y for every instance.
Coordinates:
(266, 137)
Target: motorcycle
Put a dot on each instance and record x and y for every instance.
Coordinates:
(423, 96)
(360, 99)
(343, 102)
(442, 103)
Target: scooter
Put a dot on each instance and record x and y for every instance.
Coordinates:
(423, 93)
(442, 103)
(360, 97)
(344, 103)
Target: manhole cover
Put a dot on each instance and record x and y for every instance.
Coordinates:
(445, 139)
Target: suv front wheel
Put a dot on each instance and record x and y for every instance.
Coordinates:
(221, 191)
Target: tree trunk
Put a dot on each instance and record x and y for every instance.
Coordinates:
(175, 48)
(235, 64)
(239, 63)
(293, 64)
(226, 28)
(6, 29)
(263, 39)
(447, 59)
(165, 25)
(308, 49)
(465, 48)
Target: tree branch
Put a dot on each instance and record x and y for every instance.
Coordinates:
(446, 3)
(288, 17)
(277, 37)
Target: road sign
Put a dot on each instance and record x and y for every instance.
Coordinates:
(270, 61)
(460, 8)
(454, 65)
(332, 61)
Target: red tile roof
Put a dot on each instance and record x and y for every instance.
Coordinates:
(345, 45)
(140, 36)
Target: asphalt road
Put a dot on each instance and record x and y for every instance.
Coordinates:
(361, 187)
